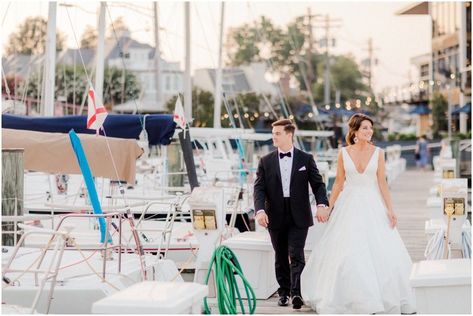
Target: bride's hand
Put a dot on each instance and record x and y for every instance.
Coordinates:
(392, 219)
(323, 213)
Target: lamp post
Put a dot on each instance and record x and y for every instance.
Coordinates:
(449, 114)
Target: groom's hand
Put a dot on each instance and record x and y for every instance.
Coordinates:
(262, 218)
(323, 214)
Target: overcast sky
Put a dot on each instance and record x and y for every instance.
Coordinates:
(396, 38)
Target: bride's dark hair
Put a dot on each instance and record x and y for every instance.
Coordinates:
(354, 124)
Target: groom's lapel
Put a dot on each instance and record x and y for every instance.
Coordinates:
(295, 163)
(276, 165)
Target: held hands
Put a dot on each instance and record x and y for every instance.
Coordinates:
(323, 214)
(262, 219)
(392, 219)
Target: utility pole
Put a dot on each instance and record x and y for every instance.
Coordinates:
(327, 24)
(310, 41)
(370, 61)
(327, 62)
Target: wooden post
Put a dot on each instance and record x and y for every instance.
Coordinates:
(174, 162)
(12, 190)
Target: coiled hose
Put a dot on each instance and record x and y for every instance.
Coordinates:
(226, 266)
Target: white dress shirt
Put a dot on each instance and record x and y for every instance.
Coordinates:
(285, 165)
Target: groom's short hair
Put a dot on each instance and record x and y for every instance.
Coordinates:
(289, 127)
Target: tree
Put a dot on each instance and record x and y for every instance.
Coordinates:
(30, 38)
(119, 86)
(345, 76)
(89, 37)
(72, 88)
(253, 43)
(119, 28)
(248, 105)
(283, 49)
(202, 107)
(439, 109)
(13, 82)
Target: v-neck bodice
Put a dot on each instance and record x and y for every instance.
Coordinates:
(353, 176)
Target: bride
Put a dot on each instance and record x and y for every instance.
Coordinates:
(360, 264)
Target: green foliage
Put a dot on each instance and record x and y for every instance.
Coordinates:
(397, 136)
(460, 136)
(30, 38)
(248, 107)
(439, 109)
(88, 39)
(202, 107)
(344, 76)
(120, 86)
(13, 83)
(71, 85)
(288, 54)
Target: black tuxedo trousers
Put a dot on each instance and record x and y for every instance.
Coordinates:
(290, 217)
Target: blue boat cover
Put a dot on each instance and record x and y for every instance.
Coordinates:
(159, 127)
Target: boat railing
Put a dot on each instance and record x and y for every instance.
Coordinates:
(50, 273)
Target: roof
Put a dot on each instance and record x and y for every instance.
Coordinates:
(415, 8)
(421, 110)
(464, 109)
(233, 80)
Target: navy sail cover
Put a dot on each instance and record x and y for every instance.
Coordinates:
(159, 127)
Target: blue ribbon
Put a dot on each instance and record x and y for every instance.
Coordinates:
(89, 182)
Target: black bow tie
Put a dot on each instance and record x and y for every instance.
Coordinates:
(281, 155)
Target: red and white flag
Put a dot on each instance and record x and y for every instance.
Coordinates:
(179, 117)
(96, 113)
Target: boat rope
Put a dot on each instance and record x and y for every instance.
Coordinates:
(466, 243)
(435, 246)
(226, 266)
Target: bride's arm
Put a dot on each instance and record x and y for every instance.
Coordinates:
(383, 188)
(339, 180)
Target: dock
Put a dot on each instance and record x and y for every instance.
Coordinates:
(409, 194)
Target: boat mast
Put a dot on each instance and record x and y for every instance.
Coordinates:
(187, 71)
(99, 68)
(47, 105)
(218, 75)
(157, 57)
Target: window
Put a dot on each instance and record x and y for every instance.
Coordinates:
(176, 83)
(168, 83)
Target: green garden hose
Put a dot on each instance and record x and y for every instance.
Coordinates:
(226, 266)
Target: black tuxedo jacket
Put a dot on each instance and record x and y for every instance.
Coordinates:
(268, 194)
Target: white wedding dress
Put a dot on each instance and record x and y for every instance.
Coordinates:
(359, 265)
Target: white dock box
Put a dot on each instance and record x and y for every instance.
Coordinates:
(442, 286)
(152, 297)
(256, 256)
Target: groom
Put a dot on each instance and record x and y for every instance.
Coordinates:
(281, 197)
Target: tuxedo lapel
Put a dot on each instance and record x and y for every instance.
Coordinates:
(276, 165)
(295, 163)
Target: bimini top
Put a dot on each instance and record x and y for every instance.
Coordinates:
(159, 127)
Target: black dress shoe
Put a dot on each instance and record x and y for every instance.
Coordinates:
(297, 302)
(283, 300)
